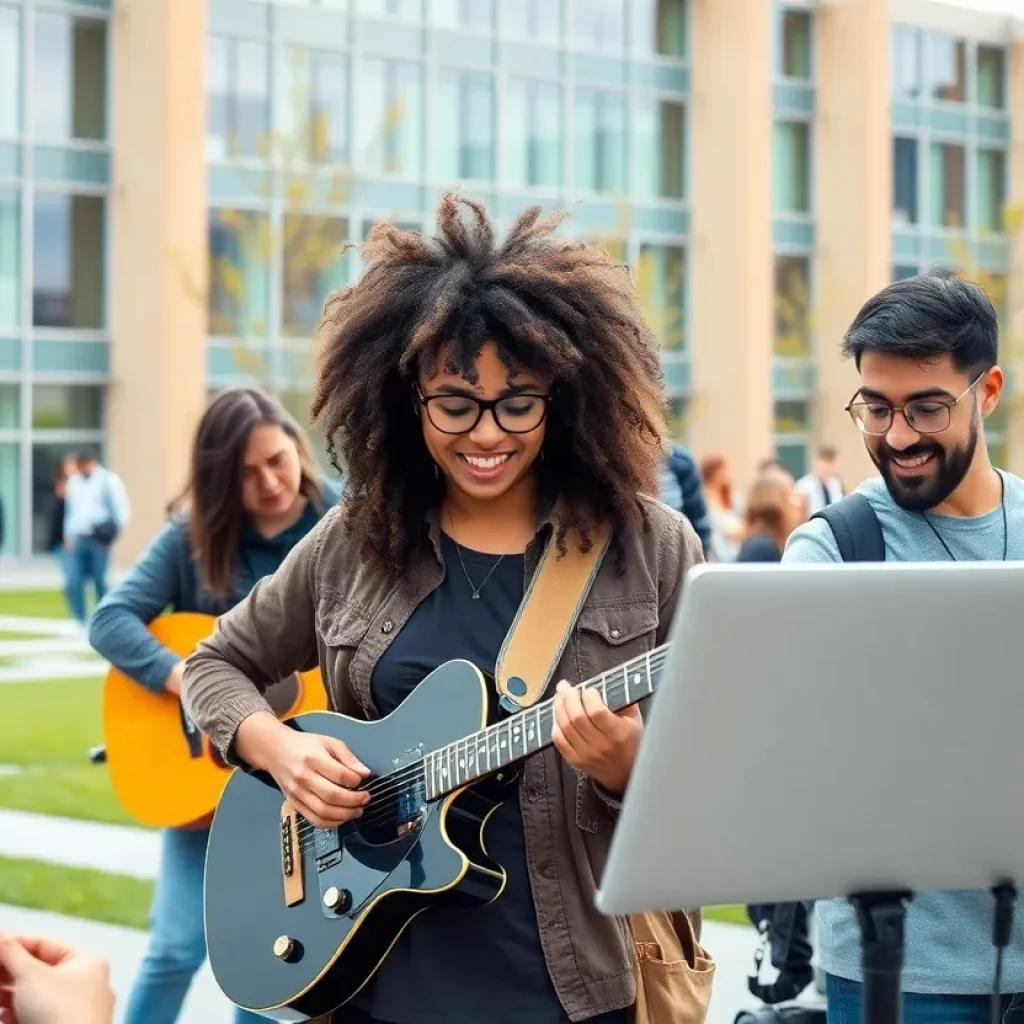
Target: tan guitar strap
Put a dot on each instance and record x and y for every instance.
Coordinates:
(546, 616)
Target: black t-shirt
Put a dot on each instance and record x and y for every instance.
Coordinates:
(486, 965)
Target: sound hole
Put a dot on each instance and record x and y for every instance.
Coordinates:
(282, 696)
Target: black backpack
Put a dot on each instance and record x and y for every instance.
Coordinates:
(855, 528)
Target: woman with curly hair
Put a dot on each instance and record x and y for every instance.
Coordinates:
(484, 399)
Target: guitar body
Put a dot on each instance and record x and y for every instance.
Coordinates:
(166, 773)
(385, 873)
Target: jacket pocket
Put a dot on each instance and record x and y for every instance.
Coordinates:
(341, 624)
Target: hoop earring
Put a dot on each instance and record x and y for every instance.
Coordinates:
(437, 472)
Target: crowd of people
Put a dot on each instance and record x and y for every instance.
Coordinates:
(484, 400)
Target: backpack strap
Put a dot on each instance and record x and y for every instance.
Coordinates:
(855, 528)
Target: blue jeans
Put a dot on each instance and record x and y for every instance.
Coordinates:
(845, 1006)
(177, 942)
(86, 561)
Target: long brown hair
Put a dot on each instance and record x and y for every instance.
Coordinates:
(213, 494)
(562, 308)
(770, 510)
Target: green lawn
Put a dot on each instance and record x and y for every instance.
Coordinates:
(97, 895)
(727, 915)
(42, 604)
(9, 635)
(48, 728)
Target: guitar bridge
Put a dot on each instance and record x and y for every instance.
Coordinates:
(291, 857)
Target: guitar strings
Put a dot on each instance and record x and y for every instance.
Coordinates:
(387, 790)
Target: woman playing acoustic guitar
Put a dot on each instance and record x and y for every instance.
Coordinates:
(466, 386)
(254, 492)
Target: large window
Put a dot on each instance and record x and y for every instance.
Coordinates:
(466, 13)
(10, 72)
(948, 189)
(661, 146)
(991, 77)
(315, 264)
(10, 488)
(10, 258)
(599, 24)
(600, 140)
(946, 67)
(238, 86)
(904, 181)
(991, 185)
(539, 20)
(661, 284)
(70, 77)
(396, 8)
(10, 406)
(464, 136)
(533, 126)
(791, 154)
(793, 435)
(905, 64)
(659, 27)
(314, 105)
(389, 121)
(793, 58)
(792, 306)
(239, 247)
(68, 260)
(67, 406)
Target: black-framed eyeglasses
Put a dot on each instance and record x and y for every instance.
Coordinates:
(459, 414)
(923, 415)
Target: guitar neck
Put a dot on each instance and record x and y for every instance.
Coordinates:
(488, 751)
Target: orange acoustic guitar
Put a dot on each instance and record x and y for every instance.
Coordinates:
(164, 771)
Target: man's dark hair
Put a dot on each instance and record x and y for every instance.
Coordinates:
(86, 455)
(927, 317)
(828, 453)
(562, 308)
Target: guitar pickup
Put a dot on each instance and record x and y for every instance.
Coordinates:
(291, 857)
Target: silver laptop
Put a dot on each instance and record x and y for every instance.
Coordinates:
(827, 729)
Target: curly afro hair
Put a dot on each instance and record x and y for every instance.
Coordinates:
(561, 308)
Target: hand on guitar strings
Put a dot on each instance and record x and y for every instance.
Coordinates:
(598, 742)
(46, 982)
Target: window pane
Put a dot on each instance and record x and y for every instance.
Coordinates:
(10, 488)
(390, 117)
(792, 174)
(679, 418)
(793, 456)
(991, 189)
(662, 149)
(10, 72)
(239, 245)
(10, 258)
(540, 20)
(251, 98)
(67, 406)
(947, 188)
(466, 106)
(313, 102)
(792, 417)
(401, 8)
(314, 266)
(792, 306)
(794, 57)
(10, 406)
(660, 27)
(218, 129)
(600, 141)
(70, 77)
(468, 13)
(68, 260)
(946, 67)
(599, 24)
(906, 63)
(901, 272)
(661, 283)
(991, 76)
(904, 199)
(533, 123)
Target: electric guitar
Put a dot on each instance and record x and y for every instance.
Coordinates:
(164, 771)
(299, 918)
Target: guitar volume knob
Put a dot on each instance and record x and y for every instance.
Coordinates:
(338, 900)
(284, 947)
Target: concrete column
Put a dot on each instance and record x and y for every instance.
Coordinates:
(853, 202)
(730, 250)
(1012, 343)
(158, 257)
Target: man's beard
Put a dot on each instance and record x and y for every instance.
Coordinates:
(919, 494)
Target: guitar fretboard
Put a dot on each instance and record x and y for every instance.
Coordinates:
(529, 731)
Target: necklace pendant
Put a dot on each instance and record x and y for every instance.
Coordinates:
(476, 595)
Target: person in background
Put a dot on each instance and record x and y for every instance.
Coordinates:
(823, 486)
(681, 489)
(769, 517)
(96, 510)
(55, 522)
(254, 492)
(927, 350)
(47, 982)
(726, 523)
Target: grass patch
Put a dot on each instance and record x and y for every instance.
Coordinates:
(41, 604)
(8, 635)
(80, 892)
(727, 915)
(47, 728)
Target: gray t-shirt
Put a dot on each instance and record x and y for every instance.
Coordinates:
(948, 938)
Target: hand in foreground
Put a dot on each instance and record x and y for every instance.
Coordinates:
(598, 742)
(46, 982)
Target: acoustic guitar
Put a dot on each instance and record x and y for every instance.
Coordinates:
(299, 918)
(164, 771)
